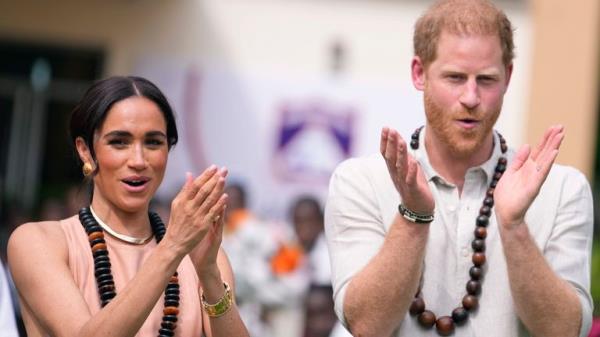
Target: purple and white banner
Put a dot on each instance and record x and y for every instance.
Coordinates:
(279, 136)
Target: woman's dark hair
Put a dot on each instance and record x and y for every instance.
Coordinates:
(93, 108)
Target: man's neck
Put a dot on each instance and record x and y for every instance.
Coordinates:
(451, 167)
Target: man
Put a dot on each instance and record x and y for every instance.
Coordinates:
(456, 234)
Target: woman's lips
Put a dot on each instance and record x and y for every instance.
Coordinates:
(135, 184)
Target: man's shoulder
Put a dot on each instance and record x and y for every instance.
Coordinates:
(364, 165)
(359, 174)
(565, 173)
(559, 173)
(565, 181)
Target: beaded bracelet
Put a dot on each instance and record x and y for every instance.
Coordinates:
(413, 216)
(222, 306)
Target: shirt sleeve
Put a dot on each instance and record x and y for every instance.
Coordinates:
(353, 226)
(568, 250)
(7, 314)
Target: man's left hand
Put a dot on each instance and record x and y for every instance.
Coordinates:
(521, 182)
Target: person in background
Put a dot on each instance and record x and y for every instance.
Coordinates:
(307, 218)
(458, 234)
(115, 268)
(8, 325)
(270, 269)
(15, 216)
(320, 316)
(249, 244)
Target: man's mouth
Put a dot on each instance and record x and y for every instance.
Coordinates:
(467, 124)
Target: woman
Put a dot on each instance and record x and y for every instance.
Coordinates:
(113, 270)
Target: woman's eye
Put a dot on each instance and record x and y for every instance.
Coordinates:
(117, 142)
(155, 142)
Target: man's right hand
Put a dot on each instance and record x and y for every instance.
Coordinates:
(406, 173)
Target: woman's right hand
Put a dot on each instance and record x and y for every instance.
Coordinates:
(406, 173)
(194, 209)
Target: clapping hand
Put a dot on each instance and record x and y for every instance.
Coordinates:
(406, 173)
(204, 255)
(521, 182)
(196, 209)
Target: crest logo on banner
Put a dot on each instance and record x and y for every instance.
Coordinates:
(312, 137)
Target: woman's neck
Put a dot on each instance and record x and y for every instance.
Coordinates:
(135, 224)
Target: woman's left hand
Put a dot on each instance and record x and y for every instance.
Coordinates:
(204, 255)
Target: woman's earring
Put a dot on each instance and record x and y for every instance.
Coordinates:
(87, 169)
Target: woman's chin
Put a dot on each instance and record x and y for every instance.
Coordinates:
(134, 206)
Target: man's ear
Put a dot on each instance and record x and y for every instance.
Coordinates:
(417, 69)
(509, 70)
(84, 151)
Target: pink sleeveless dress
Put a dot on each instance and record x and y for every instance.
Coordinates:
(126, 259)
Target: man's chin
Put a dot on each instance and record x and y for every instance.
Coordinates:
(465, 147)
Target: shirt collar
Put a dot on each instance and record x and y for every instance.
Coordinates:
(488, 167)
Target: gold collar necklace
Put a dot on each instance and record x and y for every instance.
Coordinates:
(119, 236)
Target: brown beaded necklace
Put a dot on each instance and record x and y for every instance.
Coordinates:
(445, 324)
(103, 274)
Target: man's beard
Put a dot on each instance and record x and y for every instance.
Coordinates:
(461, 143)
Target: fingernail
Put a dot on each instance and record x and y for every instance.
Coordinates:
(212, 167)
(224, 171)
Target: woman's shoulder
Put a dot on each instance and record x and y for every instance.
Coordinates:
(47, 229)
(40, 235)
(33, 230)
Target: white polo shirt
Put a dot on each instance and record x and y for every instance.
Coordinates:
(363, 202)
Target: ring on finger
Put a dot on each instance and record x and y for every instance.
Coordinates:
(216, 218)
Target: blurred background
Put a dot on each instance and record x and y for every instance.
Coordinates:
(279, 91)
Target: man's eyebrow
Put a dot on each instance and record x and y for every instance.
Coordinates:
(485, 72)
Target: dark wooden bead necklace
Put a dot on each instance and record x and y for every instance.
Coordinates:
(103, 274)
(470, 302)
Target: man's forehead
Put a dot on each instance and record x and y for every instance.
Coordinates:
(469, 49)
(451, 35)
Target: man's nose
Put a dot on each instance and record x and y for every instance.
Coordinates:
(470, 96)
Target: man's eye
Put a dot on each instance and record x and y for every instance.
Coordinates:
(455, 77)
(487, 80)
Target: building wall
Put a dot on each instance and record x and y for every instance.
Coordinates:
(565, 77)
(555, 79)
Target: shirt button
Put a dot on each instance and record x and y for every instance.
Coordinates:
(464, 252)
